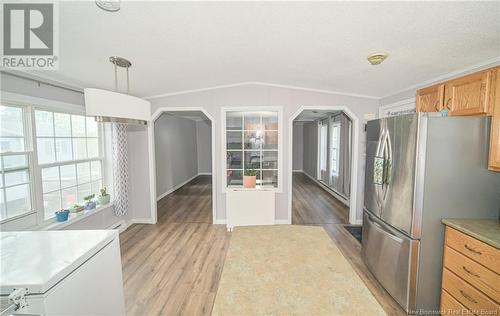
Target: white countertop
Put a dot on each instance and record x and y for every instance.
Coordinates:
(38, 260)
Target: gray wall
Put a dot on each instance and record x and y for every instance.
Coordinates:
(204, 146)
(176, 152)
(298, 148)
(310, 158)
(290, 100)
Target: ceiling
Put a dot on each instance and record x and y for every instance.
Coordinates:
(177, 46)
(312, 115)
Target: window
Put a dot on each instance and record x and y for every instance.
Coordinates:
(69, 159)
(15, 177)
(252, 143)
(334, 147)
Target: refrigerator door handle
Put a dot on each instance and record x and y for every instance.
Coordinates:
(379, 167)
(387, 150)
(385, 231)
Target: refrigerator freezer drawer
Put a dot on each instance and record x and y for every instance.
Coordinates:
(388, 254)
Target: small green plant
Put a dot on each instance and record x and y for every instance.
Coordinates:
(103, 192)
(89, 198)
(250, 172)
(77, 206)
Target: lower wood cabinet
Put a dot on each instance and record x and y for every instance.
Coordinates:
(471, 276)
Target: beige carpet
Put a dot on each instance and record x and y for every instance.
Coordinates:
(289, 270)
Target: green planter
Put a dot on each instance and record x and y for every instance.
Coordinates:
(103, 199)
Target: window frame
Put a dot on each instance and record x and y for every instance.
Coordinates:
(28, 151)
(35, 168)
(279, 110)
(334, 125)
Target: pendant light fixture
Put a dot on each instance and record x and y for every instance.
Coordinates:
(109, 106)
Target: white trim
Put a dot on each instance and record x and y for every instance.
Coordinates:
(354, 162)
(477, 67)
(328, 190)
(278, 109)
(146, 220)
(220, 222)
(258, 83)
(298, 170)
(75, 219)
(282, 222)
(175, 188)
(204, 173)
(152, 163)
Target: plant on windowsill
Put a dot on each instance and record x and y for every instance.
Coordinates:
(104, 197)
(89, 203)
(250, 178)
(62, 215)
(77, 208)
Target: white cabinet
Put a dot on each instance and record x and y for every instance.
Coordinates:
(247, 207)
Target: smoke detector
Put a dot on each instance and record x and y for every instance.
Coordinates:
(108, 5)
(377, 58)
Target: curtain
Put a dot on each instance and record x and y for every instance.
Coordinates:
(341, 183)
(120, 168)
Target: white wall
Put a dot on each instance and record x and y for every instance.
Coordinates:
(176, 152)
(298, 146)
(204, 146)
(262, 95)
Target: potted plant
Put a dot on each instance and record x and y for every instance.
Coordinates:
(89, 203)
(62, 215)
(104, 197)
(250, 178)
(77, 208)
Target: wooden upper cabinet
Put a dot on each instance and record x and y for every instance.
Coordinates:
(430, 99)
(469, 95)
(494, 154)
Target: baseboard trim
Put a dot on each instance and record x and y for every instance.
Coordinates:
(335, 195)
(204, 173)
(176, 187)
(282, 222)
(220, 222)
(140, 221)
(298, 171)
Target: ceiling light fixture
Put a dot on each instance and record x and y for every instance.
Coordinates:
(108, 5)
(377, 58)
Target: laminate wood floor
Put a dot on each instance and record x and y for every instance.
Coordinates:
(312, 205)
(174, 266)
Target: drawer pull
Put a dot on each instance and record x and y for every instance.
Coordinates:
(467, 296)
(472, 250)
(470, 272)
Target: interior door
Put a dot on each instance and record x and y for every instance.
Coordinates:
(399, 173)
(374, 133)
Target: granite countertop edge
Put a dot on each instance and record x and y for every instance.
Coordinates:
(485, 230)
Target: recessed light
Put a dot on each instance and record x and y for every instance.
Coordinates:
(108, 5)
(377, 58)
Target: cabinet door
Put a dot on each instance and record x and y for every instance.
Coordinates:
(494, 155)
(469, 95)
(430, 99)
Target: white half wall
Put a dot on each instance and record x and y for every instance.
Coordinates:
(259, 95)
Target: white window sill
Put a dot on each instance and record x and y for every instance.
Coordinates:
(257, 188)
(74, 218)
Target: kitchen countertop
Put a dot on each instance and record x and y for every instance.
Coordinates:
(486, 230)
(37, 260)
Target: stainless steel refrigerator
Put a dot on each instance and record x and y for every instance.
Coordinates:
(421, 168)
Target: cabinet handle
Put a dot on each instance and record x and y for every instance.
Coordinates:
(470, 272)
(448, 104)
(472, 250)
(467, 296)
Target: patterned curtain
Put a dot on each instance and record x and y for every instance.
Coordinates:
(120, 168)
